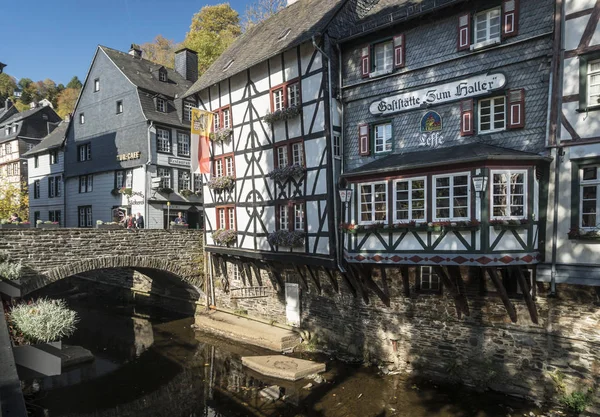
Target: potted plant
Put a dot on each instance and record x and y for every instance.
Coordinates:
(186, 193)
(40, 224)
(37, 328)
(179, 225)
(283, 114)
(165, 190)
(293, 239)
(221, 183)
(224, 236)
(108, 225)
(220, 135)
(284, 173)
(584, 234)
(5, 224)
(348, 227)
(10, 276)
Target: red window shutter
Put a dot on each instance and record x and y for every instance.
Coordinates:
(516, 108)
(510, 18)
(464, 31)
(399, 51)
(365, 62)
(363, 140)
(466, 117)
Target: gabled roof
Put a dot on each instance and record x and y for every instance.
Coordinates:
(22, 115)
(472, 152)
(291, 26)
(54, 140)
(5, 113)
(144, 74)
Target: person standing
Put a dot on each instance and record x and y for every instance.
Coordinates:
(179, 219)
(139, 221)
(130, 222)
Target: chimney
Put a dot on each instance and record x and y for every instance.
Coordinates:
(135, 51)
(186, 64)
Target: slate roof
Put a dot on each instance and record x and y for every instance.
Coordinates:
(54, 140)
(473, 152)
(22, 115)
(304, 19)
(7, 112)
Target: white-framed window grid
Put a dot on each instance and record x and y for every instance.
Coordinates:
(299, 216)
(86, 183)
(284, 221)
(183, 144)
(382, 137)
(589, 197)
(337, 146)
(229, 166)
(55, 216)
(119, 106)
(508, 197)
(593, 83)
(226, 118)
(451, 197)
(293, 91)
(410, 200)
(85, 152)
(282, 156)
(53, 157)
(161, 105)
(55, 186)
(383, 54)
(298, 153)
(165, 176)
(429, 279)
(162, 75)
(216, 121)
(81, 118)
(198, 182)
(492, 114)
(163, 140)
(187, 110)
(183, 180)
(372, 207)
(278, 103)
(96, 85)
(487, 25)
(36, 189)
(85, 216)
(219, 167)
(124, 178)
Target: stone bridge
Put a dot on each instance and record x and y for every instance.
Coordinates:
(49, 255)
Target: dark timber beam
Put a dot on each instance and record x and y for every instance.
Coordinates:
(405, 280)
(332, 280)
(278, 281)
(455, 274)
(302, 278)
(384, 280)
(512, 313)
(247, 272)
(441, 272)
(366, 273)
(525, 289)
(315, 278)
(355, 279)
(256, 266)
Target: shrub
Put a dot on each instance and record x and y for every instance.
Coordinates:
(283, 173)
(10, 270)
(293, 238)
(224, 236)
(576, 401)
(44, 320)
(186, 193)
(283, 114)
(221, 183)
(220, 135)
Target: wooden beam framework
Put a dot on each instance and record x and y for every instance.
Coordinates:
(405, 280)
(332, 280)
(451, 286)
(526, 290)
(512, 313)
(355, 279)
(315, 278)
(456, 276)
(366, 273)
(302, 278)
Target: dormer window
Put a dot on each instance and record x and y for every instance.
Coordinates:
(162, 75)
(161, 105)
(187, 110)
(14, 128)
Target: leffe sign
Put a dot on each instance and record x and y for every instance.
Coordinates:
(444, 93)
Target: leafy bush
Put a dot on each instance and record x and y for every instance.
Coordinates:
(283, 173)
(221, 183)
(220, 135)
(186, 193)
(10, 270)
(224, 236)
(293, 238)
(44, 320)
(576, 401)
(283, 114)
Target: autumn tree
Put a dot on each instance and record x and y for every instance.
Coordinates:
(161, 51)
(75, 83)
(261, 10)
(213, 30)
(13, 199)
(8, 85)
(66, 101)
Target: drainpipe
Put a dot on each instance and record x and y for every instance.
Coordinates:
(148, 187)
(557, 76)
(331, 157)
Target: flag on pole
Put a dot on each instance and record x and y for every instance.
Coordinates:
(201, 127)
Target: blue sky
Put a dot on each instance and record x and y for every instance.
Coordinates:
(57, 39)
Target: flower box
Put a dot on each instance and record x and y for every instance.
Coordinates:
(510, 225)
(287, 238)
(179, 226)
(11, 288)
(287, 172)
(220, 135)
(165, 190)
(47, 225)
(283, 114)
(583, 234)
(224, 236)
(15, 226)
(110, 226)
(221, 183)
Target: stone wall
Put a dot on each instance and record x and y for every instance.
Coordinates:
(49, 255)
(422, 333)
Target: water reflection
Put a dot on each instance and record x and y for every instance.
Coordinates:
(161, 367)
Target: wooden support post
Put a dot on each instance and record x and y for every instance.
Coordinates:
(525, 289)
(302, 278)
(315, 278)
(257, 272)
(441, 272)
(248, 273)
(384, 280)
(348, 281)
(456, 276)
(277, 275)
(512, 313)
(368, 279)
(332, 280)
(353, 275)
(405, 280)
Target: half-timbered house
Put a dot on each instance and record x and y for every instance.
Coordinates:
(574, 226)
(269, 200)
(444, 109)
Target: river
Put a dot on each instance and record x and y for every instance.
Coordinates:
(153, 364)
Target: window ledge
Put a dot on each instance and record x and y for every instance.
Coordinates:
(588, 109)
(376, 74)
(484, 44)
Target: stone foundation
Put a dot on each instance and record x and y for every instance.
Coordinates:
(421, 333)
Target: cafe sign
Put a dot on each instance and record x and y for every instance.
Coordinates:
(444, 93)
(179, 162)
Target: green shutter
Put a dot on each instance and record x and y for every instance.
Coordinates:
(583, 69)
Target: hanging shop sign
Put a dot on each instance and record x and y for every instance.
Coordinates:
(431, 122)
(443, 93)
(128, 156)
(180, 162)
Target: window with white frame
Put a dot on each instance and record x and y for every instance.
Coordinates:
(183, 180)
(492, 114)
(383, 137)
(278, 99)
(372, 203)
(284, 219)
(226, 218)
(290, 216)
(81, 118)
(165, 176)
(229, 166)
(226, 113)
(161, 105)
(163, 140)
(298, 154)
(298, 216)
(216, 121)
(198, 183)
(383, 54)
(84, 152)
(410, 200)
(293, 97)
(487, 26)
(187, 110)
(223, 165)
(36, 189)
(282, 156)
(589, 193)
(96, 85)
(85, 216)
(509, 190)
(124, 178)
(337, 147)
(119, 106)
(183, 144)
(593, 83)
(428, 279)
(235, 272)
(54, 157)
(86, 183)
(162, 75)
(290, 154)
(55, 186)
(452, 199)
(55, 216)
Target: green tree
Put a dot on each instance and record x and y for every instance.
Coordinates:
(13, 199)
(261, 10)
(213, 30)
(66, 101)
(75, 83)
(161, 51)
(8, 85)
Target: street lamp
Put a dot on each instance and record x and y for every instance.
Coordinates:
(480, 183)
